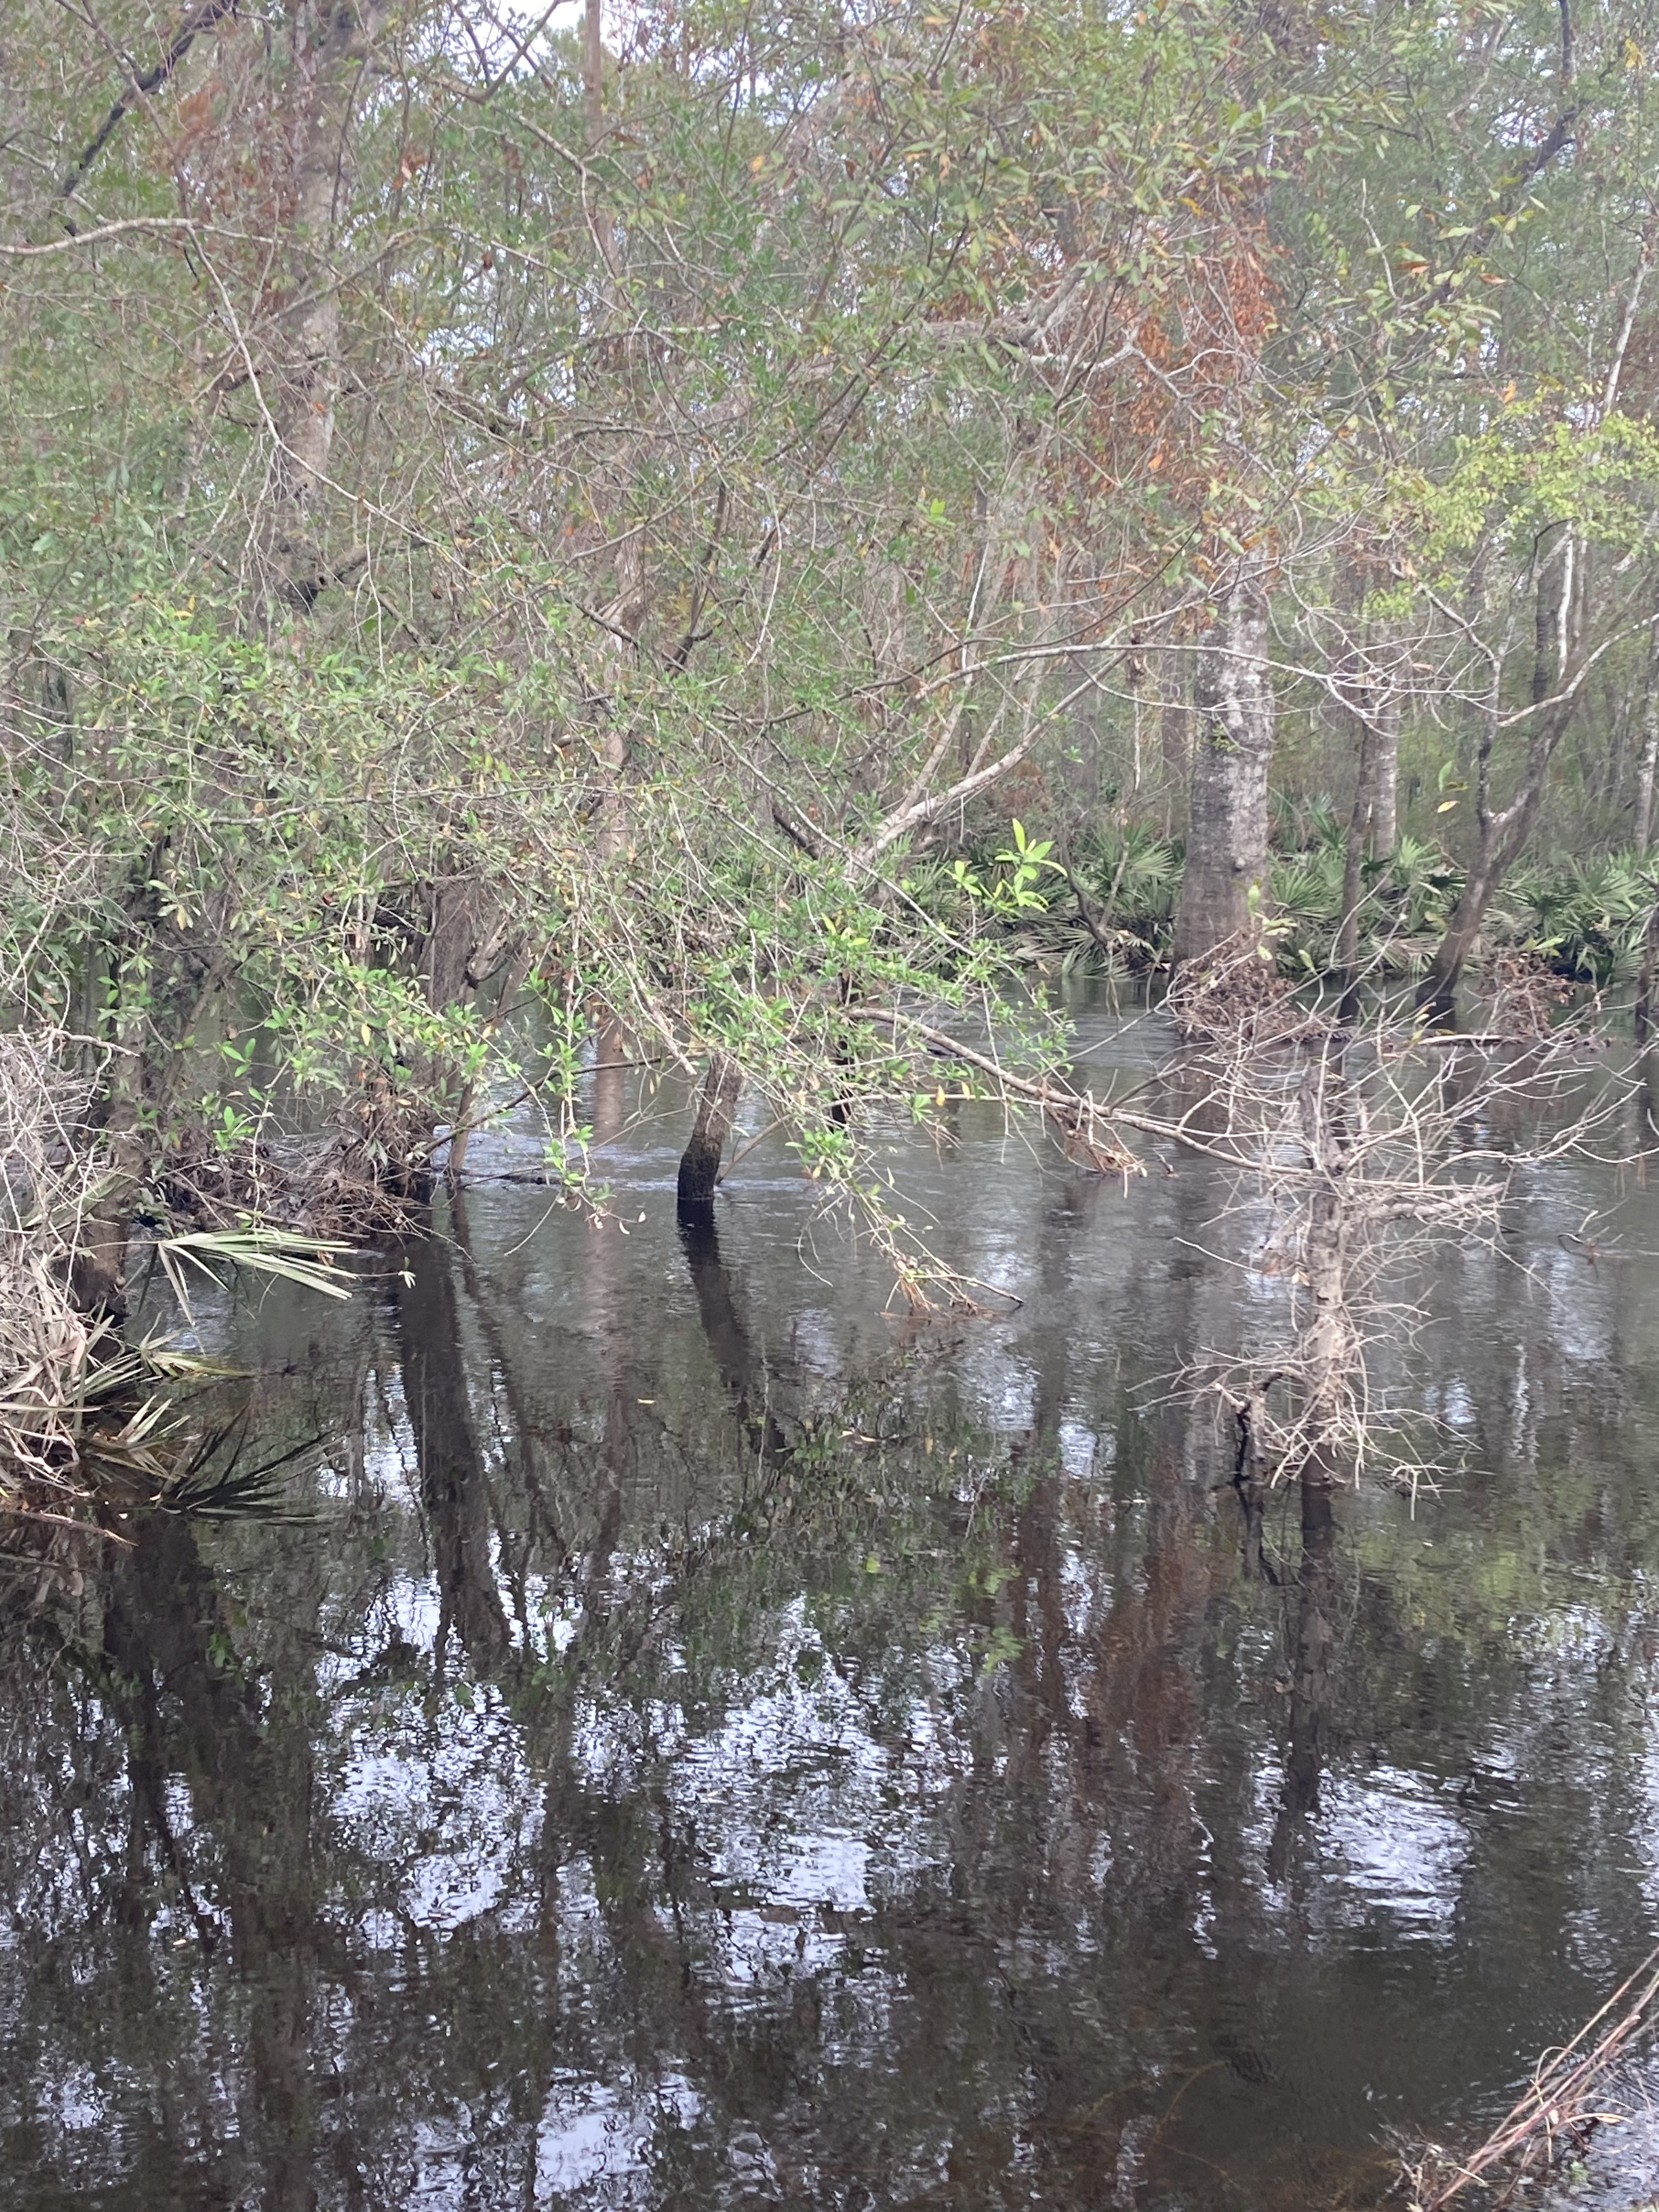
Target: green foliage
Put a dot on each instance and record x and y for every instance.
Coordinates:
(615, 562)
(1018, 889)
(1586, 918)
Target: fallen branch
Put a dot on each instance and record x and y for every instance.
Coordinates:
(1562, 2100)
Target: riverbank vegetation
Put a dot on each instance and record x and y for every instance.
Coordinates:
(724, 534)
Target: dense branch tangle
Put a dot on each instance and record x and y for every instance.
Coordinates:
(492, 517)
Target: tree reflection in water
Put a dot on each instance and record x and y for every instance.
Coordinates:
(664, 1773)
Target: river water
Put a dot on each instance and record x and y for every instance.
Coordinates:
(694, 1737)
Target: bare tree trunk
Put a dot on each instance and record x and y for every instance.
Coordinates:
(98, 1275)
(1649, 757)
(1371, 829)
(1173, 742)
(333, 63)
(1224, 887)
(1554, 549)
(700, 1163)
(1346, 951)
(1502, 831)
(1385, 775)
(1646, 977)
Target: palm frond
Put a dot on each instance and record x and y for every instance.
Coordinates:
(282, 1253)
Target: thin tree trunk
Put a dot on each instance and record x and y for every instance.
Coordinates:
(1437, 993)
(1371, 826)
(1648, 974)
(1385, 775)
(700, 1163)
(1554, 545)
(1650, 757)
(1346, 952)
(1501, 835)
(98, 1273)
(1173, 746)
(1223, 886)
(343, 32)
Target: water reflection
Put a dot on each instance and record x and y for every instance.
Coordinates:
(711, 1744)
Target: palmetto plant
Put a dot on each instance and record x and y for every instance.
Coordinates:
(1586, 918)
(1132, 877)
(1423, 883)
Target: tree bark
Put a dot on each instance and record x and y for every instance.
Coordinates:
(1645, 979)
(1371, 828)
(1224, 887)
(98, 1273)
(1174, 746)
(1503, 833)
(1385, 775)
(700, 1163)
(1649, 756)
(310, 371)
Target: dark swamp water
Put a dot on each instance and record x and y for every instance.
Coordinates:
(699, 1741)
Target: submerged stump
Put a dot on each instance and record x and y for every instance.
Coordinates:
(700, 1163)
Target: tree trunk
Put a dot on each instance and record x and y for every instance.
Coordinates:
(1650, 759)
(1173, 718)
(1371, 831)
(700, 1163)
(1502, 834)
(1646, 977)
(1501, 840)
(98, 1273)
(342, 32)
(1436, 993)
(1346, 952)
(1385, 775)
(1224, 887)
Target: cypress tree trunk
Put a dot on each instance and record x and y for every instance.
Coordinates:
(1227, 837)
(1650, 755)
(1371, 828)
(328, 79)
(1501, 835)
(700, 1163)
(98, 1273)
(1645, 978)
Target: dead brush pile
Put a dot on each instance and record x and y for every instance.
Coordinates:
(48, 1351)
(90, 1422)
(1235, 996)
(362, 1182)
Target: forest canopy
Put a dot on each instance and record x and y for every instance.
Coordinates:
(733, 532)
